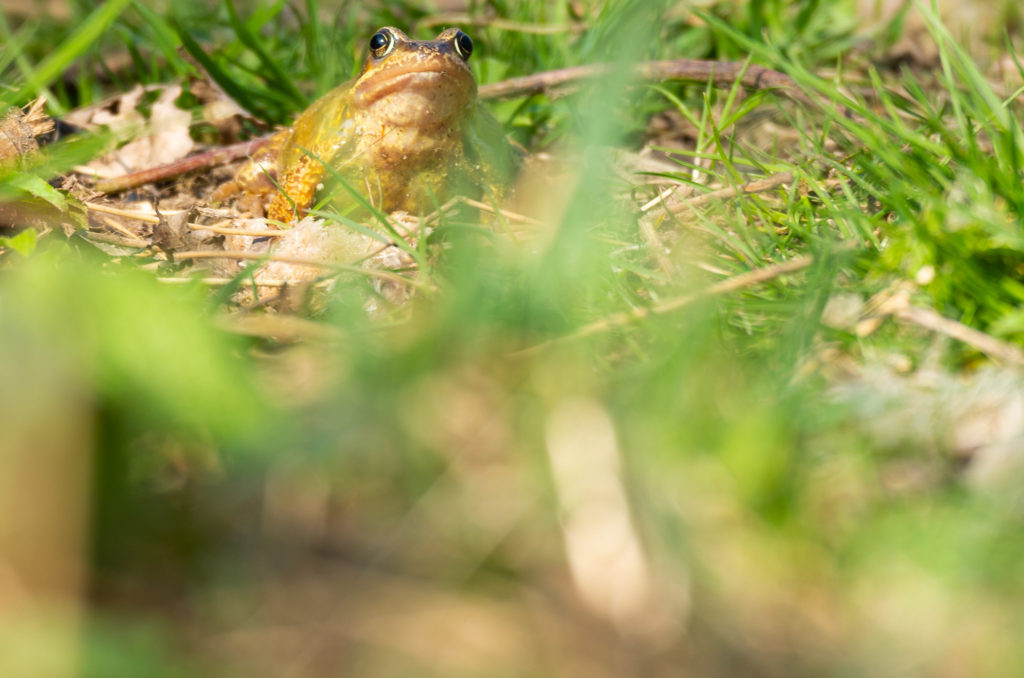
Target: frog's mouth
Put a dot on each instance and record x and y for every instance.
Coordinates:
(418, 93)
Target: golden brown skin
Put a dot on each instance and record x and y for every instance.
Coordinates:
(406, 134)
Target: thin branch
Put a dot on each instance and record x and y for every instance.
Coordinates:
(214, 281)
(719, 73)
(133, 242)
(511, 216)
(758, 186)
(216, 156)
(223, 230)
(986, 343)
(113, 225)
(462, 19)
(118, 212)
(741, 281)
(300, 261)
(657, 247)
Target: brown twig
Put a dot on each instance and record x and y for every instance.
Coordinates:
(118, 212)
(719, 73)
(300, 261)
(118, 228)
(987, 344)
(740, 281)
(224, 230)
(216, 156)
(511, 216)
(657, 247)
(110, 239)
(214, 281)
(462, 19)
(757, 186)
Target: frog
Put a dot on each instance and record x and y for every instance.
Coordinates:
(405, 135)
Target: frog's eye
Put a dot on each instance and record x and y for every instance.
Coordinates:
(381, 43)
(463, 45)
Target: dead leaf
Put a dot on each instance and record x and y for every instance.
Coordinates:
(170, 234)
(221, 111)
(167, 137)
(115, 113)
(19, 129)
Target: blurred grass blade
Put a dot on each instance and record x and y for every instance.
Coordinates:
(15, 44)
(70, 49)
(219, 75)
(314, 34)
(163, 34)
(277, 74)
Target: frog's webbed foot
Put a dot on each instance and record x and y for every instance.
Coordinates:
(255, 181)
(248, 196)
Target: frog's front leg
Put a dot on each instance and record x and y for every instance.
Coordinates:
(296, 189)
(254, 180)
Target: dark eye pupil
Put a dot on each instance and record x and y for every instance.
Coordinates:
(379, 41)
(464, 44)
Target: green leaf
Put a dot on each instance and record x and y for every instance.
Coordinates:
(36, 187)
(23, 243)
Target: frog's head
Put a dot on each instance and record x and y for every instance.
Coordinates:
(412, 83)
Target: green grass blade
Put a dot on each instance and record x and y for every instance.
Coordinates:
(73, 47)
(163, 35)
(314, 35)
(276, 73)
(219, 75)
